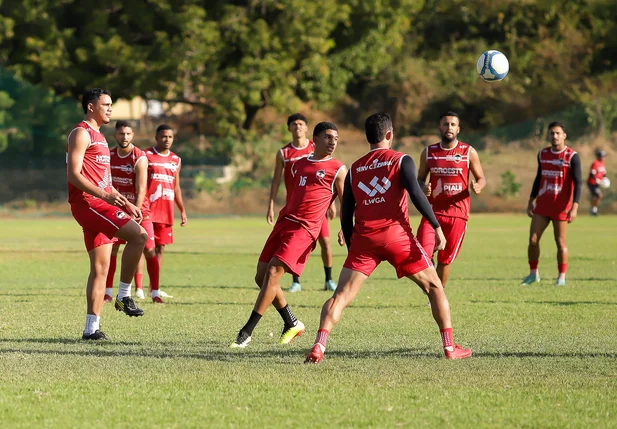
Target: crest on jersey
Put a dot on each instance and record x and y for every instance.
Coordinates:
(120, 214)
(458, 157)
(321, 174)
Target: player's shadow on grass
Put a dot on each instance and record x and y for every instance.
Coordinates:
(71, 340)
(558, 303)
(252, 286)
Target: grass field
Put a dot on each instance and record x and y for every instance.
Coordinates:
(543, 356)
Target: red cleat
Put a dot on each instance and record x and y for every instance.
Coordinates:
(316, 354)
(157, 300)
(457, 353)
(108, 298)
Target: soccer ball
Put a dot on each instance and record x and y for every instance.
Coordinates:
(493, 66)
(604, 183)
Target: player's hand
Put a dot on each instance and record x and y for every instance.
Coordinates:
(270, 216)
(475, 187)
(183, 219)
(440, 239)
(427, 189)
(572, 214)
(530, 208)
(331, 212)
(115, 198)
(341, 239)
(133, 211)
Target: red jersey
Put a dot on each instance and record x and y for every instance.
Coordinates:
(123, 174)
(313, 192)
(291, 154)
(597, 172)
(161, 185)
(556, 180)
(381, 199)
(95, 167)
(449, 179)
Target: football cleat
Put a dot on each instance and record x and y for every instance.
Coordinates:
(295, 287)
(316, 354)
(108, 298)
(289, 334)
(560, 282)
(242, 340)
(457, 352)
(531, 278)
(162, 294)
(97, 335)
(157, 300)
(330, 285)
(139, 293)
(128, 307)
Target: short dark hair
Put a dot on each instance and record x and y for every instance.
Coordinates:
(163, 127)
(322, 127)
(376, 126)
(557, 124)
(122, 124)
(91, 96)
(448, 113)
(296, 117)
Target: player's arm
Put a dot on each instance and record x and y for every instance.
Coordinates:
(141, 180)
(178, 198)
(476, 169)
(279, 165)
(78, 143)
(423, 173)
(419, 200)
(348, 207)
(339, 186)
(535, 188)
(577, 178)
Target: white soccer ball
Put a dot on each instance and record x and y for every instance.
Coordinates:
(604, 183)
(493, 66)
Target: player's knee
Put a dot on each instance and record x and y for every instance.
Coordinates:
(533, 240)
(259, 279)
(561, 244)
(149, 253)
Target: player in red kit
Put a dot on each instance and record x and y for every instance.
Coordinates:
(299, 148)
(554, 198)
(163, 190)
(376, 191)
(318, 179)
(129, 169)
(101, 211)
(597, 172)
(448, 163)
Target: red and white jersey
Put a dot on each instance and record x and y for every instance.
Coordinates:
(556, 180)
(161, 185)
(123, 174)
(95, 167)
(449, 179)
(313, 192)
(291, 154)
(597, 172)
(381, 198)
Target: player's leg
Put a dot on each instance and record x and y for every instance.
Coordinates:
(326, 255)
(111, 273)
(95, 290)
(135, 237)
(454, 230)
(152, 263)
(139, 278)
(163, 235)
(560, 228)
(537, 228)
(279, 301)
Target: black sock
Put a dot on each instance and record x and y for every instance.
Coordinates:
(287, 315)
(328, 271)
(296, 279)
(253, 321)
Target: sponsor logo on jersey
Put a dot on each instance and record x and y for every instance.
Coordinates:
(446, 171)
(552, 173)
(374, 165)
(122, 181)
(129, 196)
(166, 165)
(166, 194)
(120, 214)
(321, 174)
(102, 159)
(453, 188)
(550, 188)
(456, 158)
(161, 177)
(106, 181)
(375, 188)
(558, 162)
(125, 168)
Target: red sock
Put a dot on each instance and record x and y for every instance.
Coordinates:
(111, 272)
(446, 337)
(322, 337)
(562, 268)
(139, 277)
(533, 265)
(154, 272)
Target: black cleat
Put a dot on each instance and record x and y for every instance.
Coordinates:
(97, 335)
(128, 307)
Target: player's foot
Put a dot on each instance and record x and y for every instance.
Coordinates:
(108, 298)
(295, 287)
(242, 340)
(457, 353)
(329, 285)
(289, 334)
(316, 354)
(162, 294)
(157, 300)
(139, 293)
(97, 335)
(560, 282)
(128, 307)
(531, 278)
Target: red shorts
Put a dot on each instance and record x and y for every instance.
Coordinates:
(400, 249)
(163, 234)
(325, 229)
(290, 243)
(454, 230)
(100, 221)
(148, 226)
(551, 213)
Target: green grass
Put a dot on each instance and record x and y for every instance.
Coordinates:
(543, 356)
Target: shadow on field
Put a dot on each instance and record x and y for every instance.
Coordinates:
(72, 340)
(558, 303)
